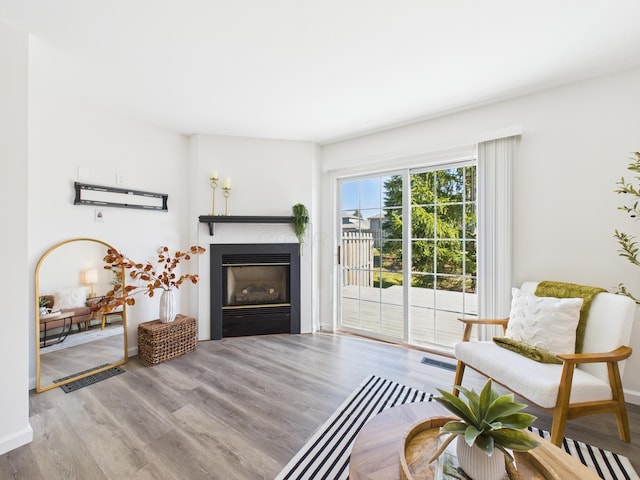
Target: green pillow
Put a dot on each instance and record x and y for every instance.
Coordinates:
(526, 350)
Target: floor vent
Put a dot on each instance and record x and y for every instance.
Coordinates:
(91, 379)
(438, 363)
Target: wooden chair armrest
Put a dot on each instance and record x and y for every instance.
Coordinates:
(484, 321)
(620, 353)
(470, 322)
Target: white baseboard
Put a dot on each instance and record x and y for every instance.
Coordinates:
(16, 439)
(632, 396)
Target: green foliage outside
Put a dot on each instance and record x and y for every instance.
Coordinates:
(386, 279)
(390, 273)
(439, 224)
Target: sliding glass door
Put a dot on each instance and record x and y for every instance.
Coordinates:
(409, 282)
(443, 254)
(371, 273)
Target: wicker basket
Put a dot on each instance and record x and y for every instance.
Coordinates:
(159, 341)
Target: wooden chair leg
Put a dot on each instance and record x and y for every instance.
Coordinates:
(618, 396)
(559, 425)
(458, 378)
(466, 335)
(561, 410)
(623, 422)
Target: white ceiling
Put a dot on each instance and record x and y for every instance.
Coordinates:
(317, 70)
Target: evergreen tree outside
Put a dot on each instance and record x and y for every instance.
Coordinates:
(443, 227)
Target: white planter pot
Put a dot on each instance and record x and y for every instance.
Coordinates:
(167, 306)
(477, 464)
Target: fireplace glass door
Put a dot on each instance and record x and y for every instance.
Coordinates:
(256, 285)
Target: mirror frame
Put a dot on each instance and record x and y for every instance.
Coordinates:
(125, 357)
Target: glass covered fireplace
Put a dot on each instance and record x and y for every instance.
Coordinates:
(255, 289)
(250, 285)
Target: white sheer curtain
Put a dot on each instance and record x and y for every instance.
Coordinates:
(495, 229)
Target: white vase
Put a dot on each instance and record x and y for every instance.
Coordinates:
(477, 464)
(167, 306)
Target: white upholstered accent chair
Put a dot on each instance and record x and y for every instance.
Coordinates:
(585, 383)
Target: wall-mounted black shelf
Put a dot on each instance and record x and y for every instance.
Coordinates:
(119, 197)
(211, 220)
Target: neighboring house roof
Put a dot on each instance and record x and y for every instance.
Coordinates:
(351, 222)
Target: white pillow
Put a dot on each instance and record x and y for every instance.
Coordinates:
(70, 298)
(547, 323)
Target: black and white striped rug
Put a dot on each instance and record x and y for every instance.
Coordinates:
(326, 453)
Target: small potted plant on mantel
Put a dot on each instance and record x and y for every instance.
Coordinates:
(490, 425)
(300, 221)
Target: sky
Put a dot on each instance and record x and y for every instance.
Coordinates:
(365, 194)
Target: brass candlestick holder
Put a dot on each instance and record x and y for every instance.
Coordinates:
(214, 185)
(226, 191)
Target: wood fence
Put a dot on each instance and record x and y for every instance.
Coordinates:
(356, 258)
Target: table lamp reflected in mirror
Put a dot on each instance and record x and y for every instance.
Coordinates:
(90, 277)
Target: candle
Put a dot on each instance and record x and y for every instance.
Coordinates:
(226, 183)
(214, 174)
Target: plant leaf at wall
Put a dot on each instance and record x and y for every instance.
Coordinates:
(628, 245)
(300, 221)
(149, 275)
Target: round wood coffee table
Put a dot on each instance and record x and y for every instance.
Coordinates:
(376, 450)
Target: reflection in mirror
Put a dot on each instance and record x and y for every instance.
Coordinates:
(73, 338)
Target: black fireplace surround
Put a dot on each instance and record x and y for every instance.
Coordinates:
(255, 289)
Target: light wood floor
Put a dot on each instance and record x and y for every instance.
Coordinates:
(238, 408)
(65, 362)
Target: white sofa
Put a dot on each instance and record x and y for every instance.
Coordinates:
(583, 384)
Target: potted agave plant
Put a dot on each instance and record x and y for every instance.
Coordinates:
(490, 426)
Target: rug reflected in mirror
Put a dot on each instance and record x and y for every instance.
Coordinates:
(326, 454)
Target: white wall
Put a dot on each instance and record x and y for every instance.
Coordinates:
(576, 144)
(66, 135)
(14, 394)
(267, 178)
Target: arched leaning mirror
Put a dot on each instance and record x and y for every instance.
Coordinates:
(73, 338)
